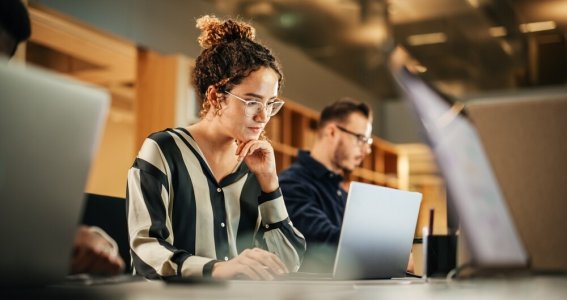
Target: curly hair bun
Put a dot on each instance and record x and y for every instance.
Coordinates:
(215, 31)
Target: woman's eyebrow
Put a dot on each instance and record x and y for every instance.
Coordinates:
(259, 96)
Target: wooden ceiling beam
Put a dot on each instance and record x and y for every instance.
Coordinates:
(83, 42)
(105, 76)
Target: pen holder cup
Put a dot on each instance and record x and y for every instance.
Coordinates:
(439, 254)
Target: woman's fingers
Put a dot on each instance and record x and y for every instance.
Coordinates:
(247, 264)
(248, 272)
(243, 149)
(265, 258)
(258, 268)
(239, 147)
(249, 268)
(268, 260)
(276, 260)
(250, 147)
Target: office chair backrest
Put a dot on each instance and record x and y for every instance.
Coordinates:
(109, 213)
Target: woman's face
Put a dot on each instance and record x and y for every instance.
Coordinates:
(262, 86)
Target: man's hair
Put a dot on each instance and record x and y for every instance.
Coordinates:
(341, 109)
(14, 20)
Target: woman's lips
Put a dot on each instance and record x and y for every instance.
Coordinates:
(256, 129)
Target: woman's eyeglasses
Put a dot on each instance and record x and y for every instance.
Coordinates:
(254, 107)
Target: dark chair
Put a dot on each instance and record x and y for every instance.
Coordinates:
(109, 213)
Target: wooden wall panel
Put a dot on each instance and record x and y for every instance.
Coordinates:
(161, 81)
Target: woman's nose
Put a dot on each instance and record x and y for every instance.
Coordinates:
(261, 116)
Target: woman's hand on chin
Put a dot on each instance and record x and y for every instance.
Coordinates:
(259, 157)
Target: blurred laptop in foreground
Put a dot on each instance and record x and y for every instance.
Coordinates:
(487, 224)
(50, 128)
(524, 137)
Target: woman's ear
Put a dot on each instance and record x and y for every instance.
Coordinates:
(212, 95)
(215, 97)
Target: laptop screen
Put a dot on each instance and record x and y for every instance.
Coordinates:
(486, 222)
(50, 128)
(377, 232)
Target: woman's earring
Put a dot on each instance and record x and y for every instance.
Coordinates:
(218, 106)
(218, 110)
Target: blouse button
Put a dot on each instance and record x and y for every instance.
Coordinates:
(225, 258)
(219, 190)
(222, 224)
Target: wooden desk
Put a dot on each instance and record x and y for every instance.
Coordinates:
(548, 288)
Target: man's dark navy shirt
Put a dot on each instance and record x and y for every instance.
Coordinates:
(315, 202)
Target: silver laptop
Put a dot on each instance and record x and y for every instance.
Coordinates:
(50, 128)
(377, 232)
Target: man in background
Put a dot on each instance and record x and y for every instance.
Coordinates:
(94, 252)
(312, 187)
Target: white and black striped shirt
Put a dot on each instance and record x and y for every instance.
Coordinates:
(181, 220)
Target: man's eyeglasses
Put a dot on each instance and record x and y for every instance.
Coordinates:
(254, 107)
(360, 138)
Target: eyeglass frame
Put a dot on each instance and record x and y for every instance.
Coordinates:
(264, 106)
(361, 139)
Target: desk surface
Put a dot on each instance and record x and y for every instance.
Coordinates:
(548, 288)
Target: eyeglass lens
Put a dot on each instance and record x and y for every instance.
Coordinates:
(253, 108)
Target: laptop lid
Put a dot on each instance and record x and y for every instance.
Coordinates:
(524, 137)
(377, 232)
(486, 222)
(50, 128)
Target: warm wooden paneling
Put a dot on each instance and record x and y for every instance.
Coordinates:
(115, 57)
(73, 48)
(161, 81)
(68, 46)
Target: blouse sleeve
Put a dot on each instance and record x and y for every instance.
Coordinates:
(279, 235)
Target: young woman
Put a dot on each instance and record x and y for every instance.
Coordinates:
(204, 200)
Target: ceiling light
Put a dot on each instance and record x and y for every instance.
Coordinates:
(427, 39)
(473, 3)
(497, 31)
(537, 26)
(258, 9)
(370, 34)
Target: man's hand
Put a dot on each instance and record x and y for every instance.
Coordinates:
(94, 254)
(256, 264)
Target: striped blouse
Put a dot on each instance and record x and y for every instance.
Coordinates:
(181, 220)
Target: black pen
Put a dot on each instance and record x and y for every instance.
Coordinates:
(431, 217)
